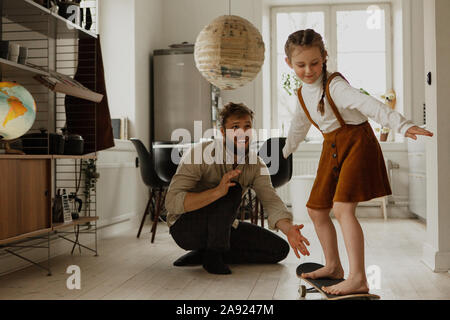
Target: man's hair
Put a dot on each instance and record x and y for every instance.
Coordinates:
(234, 109)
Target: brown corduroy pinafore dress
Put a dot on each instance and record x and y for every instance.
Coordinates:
(351, 166)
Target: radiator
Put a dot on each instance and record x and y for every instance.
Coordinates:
(302, 166)
(308, 166)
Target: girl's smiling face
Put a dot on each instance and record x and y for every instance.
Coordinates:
(307, 63)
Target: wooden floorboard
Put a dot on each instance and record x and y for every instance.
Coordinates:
(131, 268)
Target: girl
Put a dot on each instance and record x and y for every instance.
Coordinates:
(351, 167)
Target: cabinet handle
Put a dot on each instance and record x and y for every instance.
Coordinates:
(46, 193)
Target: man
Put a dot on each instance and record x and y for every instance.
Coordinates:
(204, 196)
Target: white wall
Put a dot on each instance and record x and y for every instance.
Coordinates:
(266, 69)
(436, 253)
(148, 37)
(417, 61)
(116, 29)
(130, 30)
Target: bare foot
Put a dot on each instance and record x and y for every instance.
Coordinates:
(352, 285)
(325, 272)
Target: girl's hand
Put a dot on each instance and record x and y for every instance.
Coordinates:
(415, 130)
(297, 241)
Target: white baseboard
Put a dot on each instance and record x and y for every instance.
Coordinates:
(393, 212)
(437, 261)
(371, 211)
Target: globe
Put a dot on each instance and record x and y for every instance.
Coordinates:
(17, 110)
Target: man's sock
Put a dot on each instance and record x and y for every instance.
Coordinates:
(213, 263)
(192, 258)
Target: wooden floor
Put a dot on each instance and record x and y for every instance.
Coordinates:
(131, 268)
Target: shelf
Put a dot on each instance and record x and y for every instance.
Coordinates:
(25, 235)
(81, 220)
(19, 69)
(16, 10)
(26, 156)
(48, 156)
(84, 156)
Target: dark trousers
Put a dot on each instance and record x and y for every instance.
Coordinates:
(211, 228)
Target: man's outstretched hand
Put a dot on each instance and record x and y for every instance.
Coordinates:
(297, 241)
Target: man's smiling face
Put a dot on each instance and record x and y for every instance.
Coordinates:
(237, 133)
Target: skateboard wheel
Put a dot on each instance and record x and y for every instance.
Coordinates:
(302, 291)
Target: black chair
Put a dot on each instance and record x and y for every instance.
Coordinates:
(157, 186)
(166, 160)
(280, 170)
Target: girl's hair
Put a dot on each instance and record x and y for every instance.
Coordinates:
(309, 38)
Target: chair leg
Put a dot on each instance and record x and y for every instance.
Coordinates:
(157, 211)
(146, 212)
(163, 200)
(256, 213)
(262, 214)
(250, 203)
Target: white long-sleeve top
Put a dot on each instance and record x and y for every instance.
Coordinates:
(355, 108)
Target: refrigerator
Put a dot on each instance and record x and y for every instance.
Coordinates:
(181, 95)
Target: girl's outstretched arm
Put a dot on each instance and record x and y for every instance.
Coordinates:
(297, 131)
(345, 96)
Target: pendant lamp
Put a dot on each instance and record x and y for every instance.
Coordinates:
(229, 52)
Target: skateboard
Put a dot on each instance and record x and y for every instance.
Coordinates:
(317, 285)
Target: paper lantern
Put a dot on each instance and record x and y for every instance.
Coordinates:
(229, 52)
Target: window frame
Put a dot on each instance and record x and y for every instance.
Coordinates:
(330, 11)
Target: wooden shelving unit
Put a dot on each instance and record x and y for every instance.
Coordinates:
(26, 236)
(47, 35)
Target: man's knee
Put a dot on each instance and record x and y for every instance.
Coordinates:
(284, 250)
(280, 249)
(186, 237)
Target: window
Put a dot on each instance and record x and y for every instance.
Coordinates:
(357, 38)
